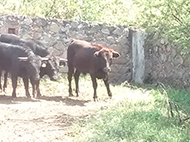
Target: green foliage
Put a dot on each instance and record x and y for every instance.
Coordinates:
(169, 18)
(139, 116)
(115, 11)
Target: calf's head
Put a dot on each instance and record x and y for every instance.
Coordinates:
(50, 67)
(105, 56)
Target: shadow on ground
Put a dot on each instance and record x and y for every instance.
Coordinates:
(69, 101)
(74, 101)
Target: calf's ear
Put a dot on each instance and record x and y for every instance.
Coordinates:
(97, 54)
(62, 62)
(115, 54)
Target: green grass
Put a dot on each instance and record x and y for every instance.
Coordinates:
(137, 115)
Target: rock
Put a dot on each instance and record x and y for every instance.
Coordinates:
(120, 60)
(122, 40)
(117, 31)
(54, 27)
(27, 21)
(168, 48)
(162, 41)
(111, 39)
(163, 57)
(98, 36)
(37, 35)
(47, 38)
(95, 29)
(26, 36)
(74, 24)
(178, 60)
(105, 31)
(59, 45)
(64, 29)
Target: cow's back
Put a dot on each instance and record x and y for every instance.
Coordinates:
(9, 55)
(10, 38)
(80, 55)
(37, 47)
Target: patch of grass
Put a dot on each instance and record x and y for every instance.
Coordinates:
(85, 87)
(140, 115)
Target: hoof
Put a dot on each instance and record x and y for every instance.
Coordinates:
(13, 95)
(95, 99)
(71, 95)
(38, 96)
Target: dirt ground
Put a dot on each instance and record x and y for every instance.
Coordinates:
(42, 120)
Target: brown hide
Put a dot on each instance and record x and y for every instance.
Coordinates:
(89, 58)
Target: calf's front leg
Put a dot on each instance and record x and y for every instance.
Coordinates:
(25, 80)
(94, 83)
(14, 85)
(107, 87)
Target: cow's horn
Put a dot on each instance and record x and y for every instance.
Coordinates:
(23, 58)
(44, 58)
(62, 59)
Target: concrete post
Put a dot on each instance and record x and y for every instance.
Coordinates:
(137, 42)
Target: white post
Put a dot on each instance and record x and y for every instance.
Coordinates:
(138, 56)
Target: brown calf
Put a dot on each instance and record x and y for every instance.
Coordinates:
(89, 58)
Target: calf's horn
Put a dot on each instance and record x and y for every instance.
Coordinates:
(44, 58)
(23, 58)
(62, 59)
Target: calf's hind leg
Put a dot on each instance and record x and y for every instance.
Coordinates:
(0, 79)
(5, 81)
(14, 85)
(76, 76)
(70, 73)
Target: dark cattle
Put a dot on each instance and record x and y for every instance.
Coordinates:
(51, 65)
(37, 47)
(5, 80)
(21, 62)
(89, 58)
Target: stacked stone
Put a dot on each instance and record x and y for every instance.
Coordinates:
(58, 33)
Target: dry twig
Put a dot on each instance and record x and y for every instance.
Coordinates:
(171, 104)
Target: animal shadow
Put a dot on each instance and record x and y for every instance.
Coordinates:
(67, 100)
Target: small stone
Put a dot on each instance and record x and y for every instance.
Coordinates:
(111, 39)
(54, 27)
(162, 41)
(105, 31)
(117, 31)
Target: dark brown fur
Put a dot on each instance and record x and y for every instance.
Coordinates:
(89, 58)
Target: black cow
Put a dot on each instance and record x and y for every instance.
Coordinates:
(21, 62)
(37, 47)
(89, 58)
(51, 65)
(5, 80)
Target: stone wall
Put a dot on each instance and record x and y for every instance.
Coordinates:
(166, 63)
(163, 62)
(58, 33)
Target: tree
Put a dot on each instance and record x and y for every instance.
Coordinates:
(170, 18)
